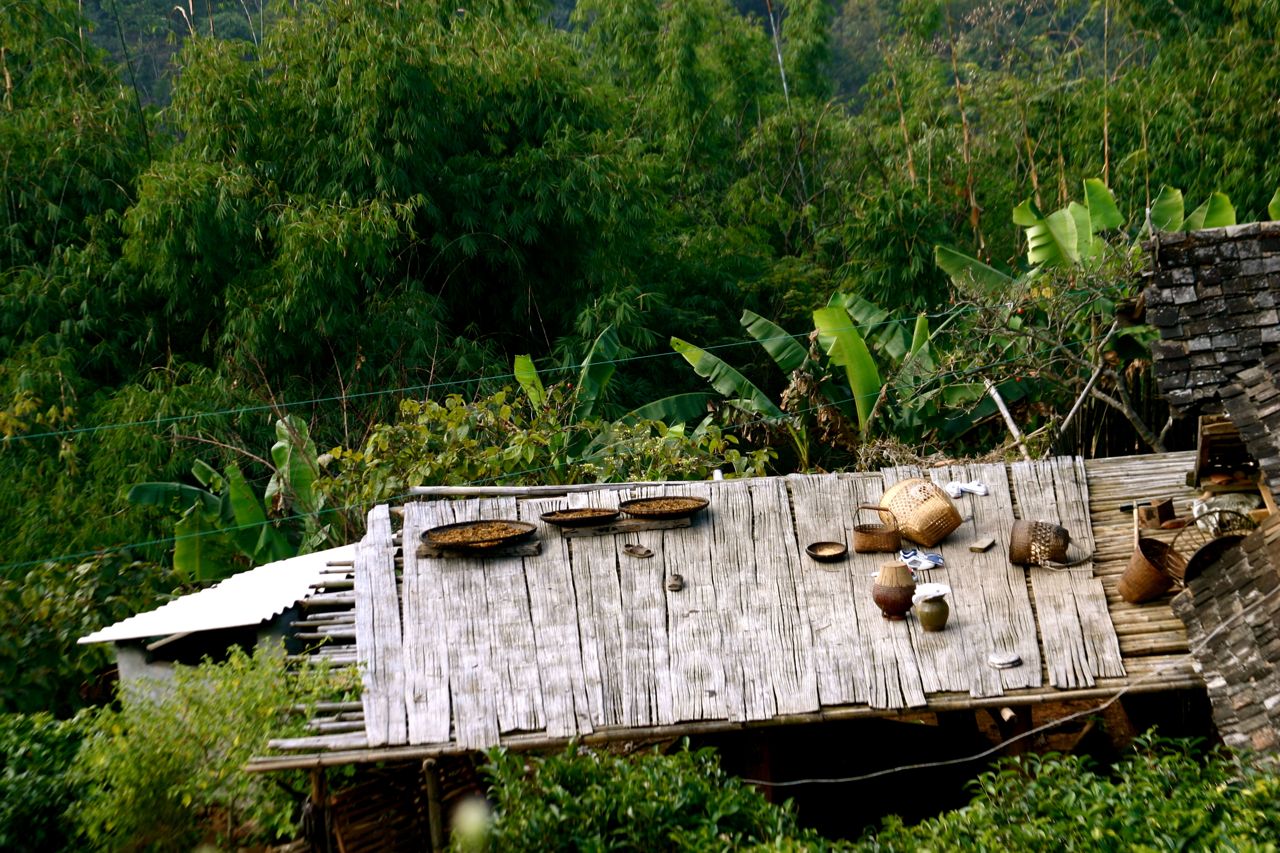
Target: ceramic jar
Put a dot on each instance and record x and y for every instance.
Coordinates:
(931, 605)
(893, 589)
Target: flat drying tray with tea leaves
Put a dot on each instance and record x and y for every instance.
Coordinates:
(581, 517)
(479, 535)
(665, 508)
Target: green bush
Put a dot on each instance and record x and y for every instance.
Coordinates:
(37, 753)
(503, 439)
(1165, 796)
(596, 801)
(167, 770)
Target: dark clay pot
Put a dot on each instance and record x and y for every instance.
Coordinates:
(892, 591)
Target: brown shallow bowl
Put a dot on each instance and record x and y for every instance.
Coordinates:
(581, 517)
(826, 552)
(663, 508)
(479, 535)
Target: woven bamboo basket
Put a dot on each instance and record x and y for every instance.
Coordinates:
(1036, 543)
(1151, 571)
(872, 538)
(924, 512)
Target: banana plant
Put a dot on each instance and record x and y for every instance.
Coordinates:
(222, 526)
(594, 374)
(292, 488)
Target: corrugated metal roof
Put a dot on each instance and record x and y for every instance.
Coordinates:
(248, 598)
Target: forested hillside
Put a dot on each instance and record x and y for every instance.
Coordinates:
(219, 214)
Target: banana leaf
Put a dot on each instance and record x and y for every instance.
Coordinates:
(1053, 240)
(921, 352)
(200, 552)
(673, 410)
(1102, 206)
(1273, 208)
(173, 496)
(597, 370)
(252, 533)
(207, 475)
(1166, 210)
(527, 375)
(847, 349)
(294, 455)
(1216, 212)
(781, 346)
(887, 334)
(966, 270)
(728, 381)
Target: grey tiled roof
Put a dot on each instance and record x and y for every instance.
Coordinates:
(1214, 296)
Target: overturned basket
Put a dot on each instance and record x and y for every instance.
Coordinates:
(923, 511)
(1038, 543)
(873, 538)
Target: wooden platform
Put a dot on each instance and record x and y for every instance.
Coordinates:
(583, 640)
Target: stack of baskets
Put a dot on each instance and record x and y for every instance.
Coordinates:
(923, 511)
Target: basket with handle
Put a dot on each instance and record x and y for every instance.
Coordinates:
(878, 537)
(924, 512)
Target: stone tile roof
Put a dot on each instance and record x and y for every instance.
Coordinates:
(1214, 296)
(1232, 614)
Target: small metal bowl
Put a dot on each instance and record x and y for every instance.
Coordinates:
(827, 552)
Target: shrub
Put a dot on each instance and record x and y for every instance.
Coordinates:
(167, 769)
(1163, 797)
(597, 801)
(37, 753)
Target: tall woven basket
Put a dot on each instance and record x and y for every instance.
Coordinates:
(924, 512)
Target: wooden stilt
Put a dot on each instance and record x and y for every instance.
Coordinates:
(435, 808)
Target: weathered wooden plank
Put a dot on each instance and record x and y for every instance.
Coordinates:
(1102, 645)
(989, 594)
(694, 624)
(510, 654)
(379, 638)
(646, 667)
(1079, 641)
(473, 679)
(733, 570)
(893, 673)
(779, 601)
(554, 610)
(594, 562)
(426, 639)
(824, 513)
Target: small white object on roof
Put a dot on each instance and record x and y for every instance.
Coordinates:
(249, 598)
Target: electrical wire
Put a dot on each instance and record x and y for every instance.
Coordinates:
(986, 753)
(430, 386)
(957, 374)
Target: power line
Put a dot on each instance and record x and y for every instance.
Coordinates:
(603, 453)
(429, 386)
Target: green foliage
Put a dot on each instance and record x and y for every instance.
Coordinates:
(585, 800)
(1163, 797)
(37, 757)
(502, 439)
(45, 609)
(168, 766)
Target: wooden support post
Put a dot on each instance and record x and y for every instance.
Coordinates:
(435, 808)
(315, 817)
(1012, 723)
